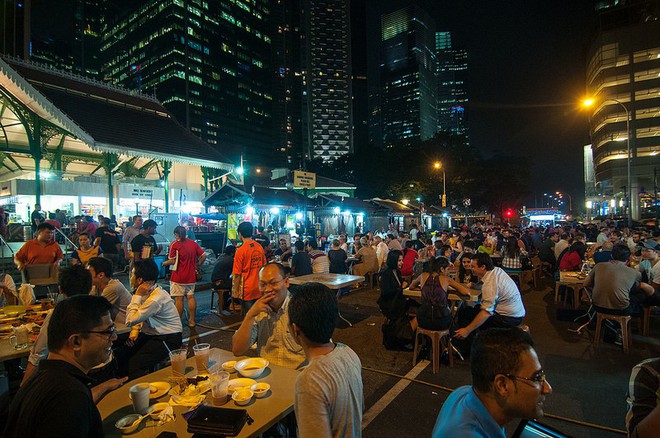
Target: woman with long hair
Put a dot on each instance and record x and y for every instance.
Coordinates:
(391, 301)
(434, 313)
(511, 255)
(465, 274)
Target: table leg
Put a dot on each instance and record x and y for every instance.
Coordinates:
(339, 311)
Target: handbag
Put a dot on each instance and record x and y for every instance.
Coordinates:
(208, 420)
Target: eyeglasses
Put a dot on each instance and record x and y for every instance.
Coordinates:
(539, 377)
(264, 285)
(109, 332)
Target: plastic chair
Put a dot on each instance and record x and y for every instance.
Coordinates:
(646, 318)
(436, 337)
(623, 320)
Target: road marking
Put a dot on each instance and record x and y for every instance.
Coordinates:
(385, 400)
(212, 332)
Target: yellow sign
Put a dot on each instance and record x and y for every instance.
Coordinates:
(304, 180)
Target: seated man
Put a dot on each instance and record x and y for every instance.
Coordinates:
(329, 398)
(267, 322)
(320, 261)
(154, 321)
(507, 383)
(613, 283)
(110, 288)
(221, 279)
(643, 417)
(501, 303)
(301, 262)
(57, 400)
(283, 251)
(75, 280)
(605, 253)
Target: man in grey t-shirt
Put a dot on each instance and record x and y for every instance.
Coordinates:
(110, 288)
(613, 283)
(329, 399)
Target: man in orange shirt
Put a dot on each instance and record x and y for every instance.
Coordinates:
(41, 250)
(249, 259)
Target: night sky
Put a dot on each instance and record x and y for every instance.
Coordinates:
(526, 78)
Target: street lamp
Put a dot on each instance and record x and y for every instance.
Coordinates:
(590, 102)
(570, 200)
(438, 166)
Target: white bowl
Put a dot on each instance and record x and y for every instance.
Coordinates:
(242, 397)
(260, 389)
(157, 409)
(253, 367)
(125, 424)
(229, 366)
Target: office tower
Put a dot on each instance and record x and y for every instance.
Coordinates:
(623, 79)
(327, 97)
(452, 94)
(407, 76)
(12, 28)
(66, 35)
(359, 80)
(209, 62)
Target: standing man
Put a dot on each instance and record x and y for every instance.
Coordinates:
(36, 218)
(329, 398)
(501, 304)
(508, 382)
(108, 240)
(267, 322)
(41, 250)
(129, 234)
(186, 256)
(57, 400)
(249, 259)
(144, 245)
(221, 279)
(110, 288)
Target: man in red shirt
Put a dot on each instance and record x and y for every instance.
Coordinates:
(41, 250)
(249, 259)
(185, 257)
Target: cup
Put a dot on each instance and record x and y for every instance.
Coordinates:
(219, 387)
(19, 340)
(139, 394)
(46, 303)
(202, 357)
(178, 359)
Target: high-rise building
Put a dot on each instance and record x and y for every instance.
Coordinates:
(407, 76)
(327, 96)
(623, 79)
(209, 62)
(359, 81)
(13, 23)
(452, 94)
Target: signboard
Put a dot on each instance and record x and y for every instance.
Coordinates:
(304, 180)
(142, 193)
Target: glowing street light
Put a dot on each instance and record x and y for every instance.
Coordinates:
(590, 102)
(438, 166)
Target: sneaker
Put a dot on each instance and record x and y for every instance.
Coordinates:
(619, 339)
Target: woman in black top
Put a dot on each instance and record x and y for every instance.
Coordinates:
(337, 258)
(391, 301)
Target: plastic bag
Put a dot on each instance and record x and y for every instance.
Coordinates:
(26, 294)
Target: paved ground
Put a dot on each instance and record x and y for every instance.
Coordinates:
(588, 385)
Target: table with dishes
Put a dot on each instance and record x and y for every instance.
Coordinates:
(264, 390)
(453, 297)
(573, 279)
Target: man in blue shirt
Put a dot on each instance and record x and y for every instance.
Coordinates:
(507, 383)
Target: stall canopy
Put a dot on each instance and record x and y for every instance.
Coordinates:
(394, 207)
(327, 203)
(232, 197)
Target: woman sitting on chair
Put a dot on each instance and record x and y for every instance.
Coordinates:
(434, 313)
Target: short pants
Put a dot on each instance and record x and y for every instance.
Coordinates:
(180, 290)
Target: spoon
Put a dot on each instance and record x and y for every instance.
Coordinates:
(137, 422)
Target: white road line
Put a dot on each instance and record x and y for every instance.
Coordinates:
(385, 400)
(212, 332)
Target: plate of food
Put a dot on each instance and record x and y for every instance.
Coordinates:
(236, 384)
(158, 389)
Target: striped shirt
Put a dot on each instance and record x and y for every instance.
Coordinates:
(643, 393)
(320, 262)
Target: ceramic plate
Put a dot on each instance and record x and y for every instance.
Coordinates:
(235, 384)
(161, 389)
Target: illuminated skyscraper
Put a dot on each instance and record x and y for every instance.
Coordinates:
(209, 62)
(623, 79)
(407, 76)
(452, 94)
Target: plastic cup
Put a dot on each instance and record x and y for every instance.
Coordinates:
(219, 387)
(178, 359)
(139, 394)
(202, 357)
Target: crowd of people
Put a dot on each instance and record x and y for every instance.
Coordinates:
(79, 347)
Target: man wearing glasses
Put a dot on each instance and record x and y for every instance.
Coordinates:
(507, 383)
(57, 400)
(267, 322)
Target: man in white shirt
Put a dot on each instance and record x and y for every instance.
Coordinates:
(154, 321)
(328, 393)
(381, 250)
(501, 303)
(561, 245)
(320, 261)
(393, 243)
